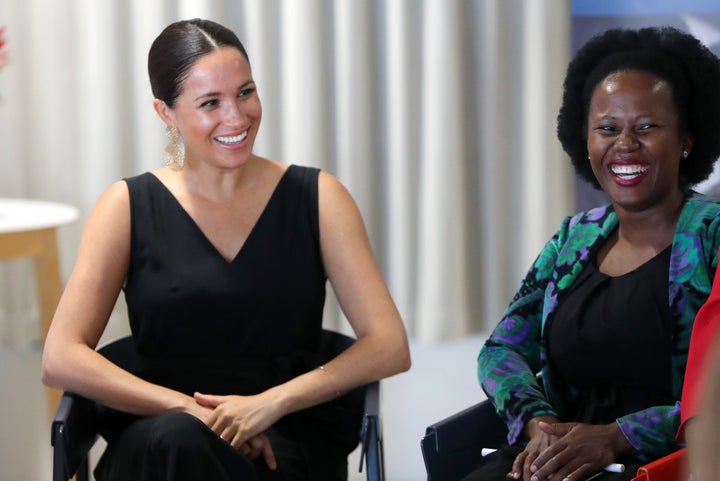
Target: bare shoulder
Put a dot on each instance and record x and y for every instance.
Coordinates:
(330, 189)
(109, 219)
(115, 198)
(105, 243)
(340, 217)
(117, 192)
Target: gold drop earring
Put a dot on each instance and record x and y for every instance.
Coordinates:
(175, 151)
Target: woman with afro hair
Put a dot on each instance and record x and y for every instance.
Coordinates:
(586, 365)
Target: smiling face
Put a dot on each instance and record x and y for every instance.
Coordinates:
(635, 141)
(218, 111)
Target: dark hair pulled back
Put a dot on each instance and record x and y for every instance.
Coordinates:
(178, 47)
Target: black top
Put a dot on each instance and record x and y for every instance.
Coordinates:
(202, 323)
(611, 338)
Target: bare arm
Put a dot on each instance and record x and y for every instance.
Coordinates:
(381, 349)
(69, 359)
(361, 290)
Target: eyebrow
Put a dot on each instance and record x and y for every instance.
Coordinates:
(215, 94)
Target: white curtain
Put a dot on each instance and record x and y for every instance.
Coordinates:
(438, 115)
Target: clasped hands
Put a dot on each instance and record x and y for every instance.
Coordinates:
(567, 451)
(240, 421)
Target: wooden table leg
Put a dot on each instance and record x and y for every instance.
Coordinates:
(41, 245)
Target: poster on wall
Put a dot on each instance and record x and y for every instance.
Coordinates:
(701, 18)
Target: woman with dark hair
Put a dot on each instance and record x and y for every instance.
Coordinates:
(604, 314)
(223, 257)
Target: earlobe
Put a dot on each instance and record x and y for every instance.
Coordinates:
(687, 147)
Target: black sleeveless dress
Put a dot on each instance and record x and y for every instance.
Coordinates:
(202, 323)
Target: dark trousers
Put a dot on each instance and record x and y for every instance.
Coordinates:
(179, 447)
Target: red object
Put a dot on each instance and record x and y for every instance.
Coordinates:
(673, 467)
(706, 330)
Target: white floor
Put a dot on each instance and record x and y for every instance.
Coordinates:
(441, 382)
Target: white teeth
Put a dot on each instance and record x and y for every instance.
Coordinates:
(628, 171)
(232, 140)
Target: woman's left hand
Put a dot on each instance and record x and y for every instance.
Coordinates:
(581, 451)
(238, 419)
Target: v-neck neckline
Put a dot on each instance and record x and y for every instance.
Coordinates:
(202, 232)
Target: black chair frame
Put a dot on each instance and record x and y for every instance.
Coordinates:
(452, 447)
(75, 426)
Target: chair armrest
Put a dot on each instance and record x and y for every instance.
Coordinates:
(74, 432)
(371, 435)
(477, 425)
(452, 447)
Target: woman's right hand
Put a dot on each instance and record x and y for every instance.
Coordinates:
(539, 441)
(260, 445)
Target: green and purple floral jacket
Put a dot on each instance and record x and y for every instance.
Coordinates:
(515, 352)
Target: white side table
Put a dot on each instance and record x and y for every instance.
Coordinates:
(28, 229)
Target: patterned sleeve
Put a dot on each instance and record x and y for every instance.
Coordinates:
(652, 431)
(511, 357)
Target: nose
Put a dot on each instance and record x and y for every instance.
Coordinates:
(233, 113)
(627, 140)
